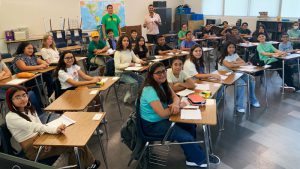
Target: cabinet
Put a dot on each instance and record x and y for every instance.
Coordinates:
(275, 28)
(166, 19)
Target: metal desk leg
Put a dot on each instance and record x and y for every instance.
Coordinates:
(38, 153)
(266, 88)
(46, 96)
(102, 149)
(102, 109)
(234, 99)
(39, 89)
(118, 103)
(298, 72)
(77, 157)
(209, 139)
(206, 143)
(248, 95)
(221, 115)
(282, 76)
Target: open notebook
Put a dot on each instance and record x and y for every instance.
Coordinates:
(61, 120)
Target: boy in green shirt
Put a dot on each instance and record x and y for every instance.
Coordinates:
(181, 33)
(96, 47)
(111, 21)
(267, 53)
(294, 35)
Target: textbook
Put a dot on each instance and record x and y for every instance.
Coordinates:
(196, 99)
(61, 120)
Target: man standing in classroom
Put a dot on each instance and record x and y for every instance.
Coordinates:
(111, 21)
(152, 21)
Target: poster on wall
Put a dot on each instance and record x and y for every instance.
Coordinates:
(92, 12)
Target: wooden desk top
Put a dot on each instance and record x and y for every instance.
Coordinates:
(69, 48)
(198, 40)
(3, 82)
(106, 54)
(208, 113)
(110, 81)
(252, 70)
(76, 135)
(228, 81)
(213, 87)
(289, 57)
(169, 34)
(24, 40)
(214, 38)
(50, 68)
(73, 100)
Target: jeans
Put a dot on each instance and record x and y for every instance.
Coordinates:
(240, 93)
(181, 133)
(133, 79)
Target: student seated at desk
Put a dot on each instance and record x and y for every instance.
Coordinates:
(207, 31)
(140, 49)
(111, 41)
(294, 34)
(4, 73)
(68, 73)
(188, 42)
(124, 58)
(244, 31)
(177, 78)
(157, 103)
(266, 53)
(49, 51)
(25, 60)
(234, 37)
(226, 29)
(25, 126)
(96, 47)
(133, 37)
(285, 45)
(261, 29)
(230, 59)
(162, 48)
(182, 33)
(194, 65)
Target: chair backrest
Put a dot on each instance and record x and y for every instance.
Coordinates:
(76, 35)
(5, 55)
(57, 88)
(59, 38)
(110, 67)
(5, 141)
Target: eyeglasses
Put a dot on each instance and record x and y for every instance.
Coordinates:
(20, 97)
(159, 73)
(69, 58)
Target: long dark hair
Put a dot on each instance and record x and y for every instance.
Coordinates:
(61, 65)
(225, 52)
(137, 46)
(120, 45)
(28, 108)
(22, 46)
(198, 62)
(163, 91)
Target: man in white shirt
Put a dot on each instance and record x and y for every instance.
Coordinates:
(152, 21)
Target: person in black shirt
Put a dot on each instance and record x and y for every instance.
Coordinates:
(161, 47)
(206, 31)
(140, 48)
(225, 30)
(133, 37)
(261, 29)
(244, 30)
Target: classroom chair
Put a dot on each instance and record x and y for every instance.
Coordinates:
(59, 37)
(76, 36)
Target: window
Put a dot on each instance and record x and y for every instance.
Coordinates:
(290, 8)
(270, 6)
(236, 8)
(212, 7)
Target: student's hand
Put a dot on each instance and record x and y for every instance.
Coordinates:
(42, 66)
(131, 64)
(143, 62)
(216, 76)
(98, 78)
(182, 104)
(94, 80)
(47, 148)
(61, 129)
(174, 108)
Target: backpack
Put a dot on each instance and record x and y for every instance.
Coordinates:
(129, 131)
(255, 60)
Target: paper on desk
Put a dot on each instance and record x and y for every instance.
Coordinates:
(191, 107)
(202, 87)
(93, 92)
(223, 77)
(137, 65)
(185, 92)
(248, 67)
(185, 52)
(156, 60)
(115, 78)
(61, 120)
(193, 114)
(157, 56)
(238, 74)
(134, 68)
(170, 53)
(104, 80)
(16, 81)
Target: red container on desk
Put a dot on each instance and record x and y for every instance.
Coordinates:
(9, 35)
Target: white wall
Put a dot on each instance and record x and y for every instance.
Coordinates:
(31, 14)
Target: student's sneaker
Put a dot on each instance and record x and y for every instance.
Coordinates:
(126, 97)
(241, 110)
(213, 159)
(95, 165)
(256, 105)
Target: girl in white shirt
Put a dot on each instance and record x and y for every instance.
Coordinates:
(68, 73)
(124, 58)
(49, 51)
(25, 126)
(230, 59)
(177, 78)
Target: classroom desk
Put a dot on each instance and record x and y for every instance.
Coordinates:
(209, 117)
(213, 87)
(70, 48)
(73, 100)
(8, 43)
(250, 71)
(111, 81)
(76, 135)
(285, 58)
(4, 82)
(206, 58)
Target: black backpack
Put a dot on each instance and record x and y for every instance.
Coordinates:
(255, 60)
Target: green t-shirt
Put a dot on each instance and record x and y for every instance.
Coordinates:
(266, 47)
(181, 34)
(111, 22)
(93, 46)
